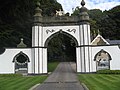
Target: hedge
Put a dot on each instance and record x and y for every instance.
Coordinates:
(108, 72)
(11, 75)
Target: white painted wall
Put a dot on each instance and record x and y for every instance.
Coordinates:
(85, 34)
(41, 34)
(6, 64)
(114, 51)
(39, 60)
(78, 60)
(39, 37)
(57, 29)
(38, 55)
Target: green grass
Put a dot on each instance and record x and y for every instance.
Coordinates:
(52, 66)
(101, 81)
(18, 82)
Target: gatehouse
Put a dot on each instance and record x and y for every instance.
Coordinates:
(90, 55)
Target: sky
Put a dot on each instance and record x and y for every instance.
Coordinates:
(68, 5)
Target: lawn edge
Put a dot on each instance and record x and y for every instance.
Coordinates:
(84, 86)
(33, 87)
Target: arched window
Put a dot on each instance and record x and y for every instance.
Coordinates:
(102, 59)
(21, 63)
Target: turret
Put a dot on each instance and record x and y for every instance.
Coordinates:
(38, 14)
(84, 17)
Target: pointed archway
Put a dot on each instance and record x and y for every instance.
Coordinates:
(102, 59)
(61, 47)
(21, 63)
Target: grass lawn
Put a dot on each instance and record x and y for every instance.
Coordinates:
(18, 82)
(52, 66)
(101, 81)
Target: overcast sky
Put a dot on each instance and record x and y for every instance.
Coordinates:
(90, 4)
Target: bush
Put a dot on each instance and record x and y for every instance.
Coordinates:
(10, 75)
(108, 72)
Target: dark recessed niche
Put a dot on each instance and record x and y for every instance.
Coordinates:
(21, 59)
(2, 50)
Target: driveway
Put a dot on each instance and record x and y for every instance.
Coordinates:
(63, 78)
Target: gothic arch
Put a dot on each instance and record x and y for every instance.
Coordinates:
(71, 38)
(62, 32)
(21, 62)
(102, 59)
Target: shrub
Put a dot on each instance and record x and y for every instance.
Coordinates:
(108, 72)
(10, 75)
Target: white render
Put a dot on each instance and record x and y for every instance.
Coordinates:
(41, 35)
(85, 52)
(114, 51)
(44, 29)
(6, 60)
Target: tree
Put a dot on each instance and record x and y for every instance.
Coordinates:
(110, 25)
(108, 22)
(61, 48)
(16, 17)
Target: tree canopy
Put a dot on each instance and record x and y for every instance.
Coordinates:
(16, 19)
(107, 22)
(16, 22)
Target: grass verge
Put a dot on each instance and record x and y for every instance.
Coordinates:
(101, 81)
(52, 66)
(19, 82)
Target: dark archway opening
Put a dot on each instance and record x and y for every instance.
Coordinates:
(21, 63)
(61, 48)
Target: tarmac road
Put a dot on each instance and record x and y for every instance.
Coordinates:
(63, 78)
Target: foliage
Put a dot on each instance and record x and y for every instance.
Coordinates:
(108, 72)
(10, 75)
(61, 48)
(52, 66)
(100, 81)
(49, 7)
(16, 19)
(16, 82)
(110, 25)
(108, 22)
(16, 22)
(76, 11)
(96, 14)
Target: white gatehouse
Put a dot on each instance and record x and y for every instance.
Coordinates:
(90, 56)
(45, 29)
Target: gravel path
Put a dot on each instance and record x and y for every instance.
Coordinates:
(63, 78)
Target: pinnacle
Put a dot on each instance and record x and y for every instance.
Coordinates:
(82, 2)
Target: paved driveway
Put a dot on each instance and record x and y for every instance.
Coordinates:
(63, 78)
